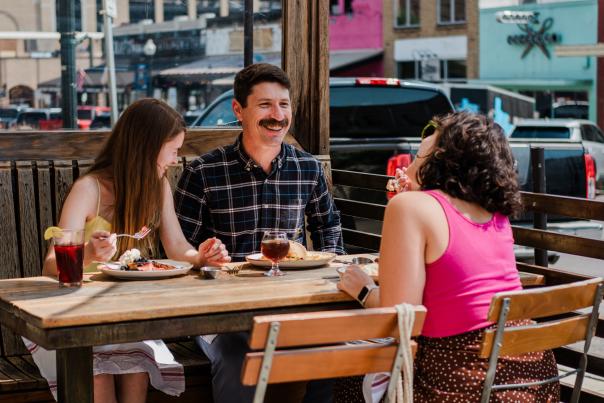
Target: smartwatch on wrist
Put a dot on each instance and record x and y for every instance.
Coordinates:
(364, 293)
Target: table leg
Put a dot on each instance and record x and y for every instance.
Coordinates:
(74, 375)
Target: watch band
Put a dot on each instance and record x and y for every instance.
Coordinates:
(364, 293)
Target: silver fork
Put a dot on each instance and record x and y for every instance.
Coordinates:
(143, 232)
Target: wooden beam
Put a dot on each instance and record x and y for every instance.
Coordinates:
(305, 56)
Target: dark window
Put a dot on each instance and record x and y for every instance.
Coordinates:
(406, 70)
(540, 132)
(456, 69)
(348, 6)
(359, 112)
(571, 111)
(8, 113)
(220, 115)
(85, 114)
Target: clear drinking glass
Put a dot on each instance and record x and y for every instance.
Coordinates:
(69, 252)
(274, 247)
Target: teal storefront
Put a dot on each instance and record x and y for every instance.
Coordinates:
(520, 56)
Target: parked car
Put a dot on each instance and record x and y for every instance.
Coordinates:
(567, 130)
(191, 117)
(42, 119)
(101, 121)
(9, 116)
(570, 110)
(87, 113)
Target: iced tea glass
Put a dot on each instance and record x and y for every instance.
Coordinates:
(69, 252)
(274, 247)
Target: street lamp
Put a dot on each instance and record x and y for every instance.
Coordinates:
(149, 50)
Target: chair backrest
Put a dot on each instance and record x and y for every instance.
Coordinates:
(559, 302)
(311, 345)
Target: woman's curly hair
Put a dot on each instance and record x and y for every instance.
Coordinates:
(472, 161)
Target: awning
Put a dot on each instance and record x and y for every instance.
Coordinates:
(92, 80)
(215, 70)
(217, 66)
(343, 58)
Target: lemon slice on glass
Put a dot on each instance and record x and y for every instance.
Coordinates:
(53, 232)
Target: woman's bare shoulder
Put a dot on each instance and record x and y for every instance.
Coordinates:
(414, 200)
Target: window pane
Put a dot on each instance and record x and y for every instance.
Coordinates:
(456, 68)
(539, 132)
(401, 18)
(384, 112)
(460, 10)
(406, 70)
(348, 6)
(445, 11)
(334, 7)
(414, 12)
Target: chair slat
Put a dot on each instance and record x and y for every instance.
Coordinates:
(539, 337)
(322, 362)
(314, 328)
(541, 302)
(46, 218)
(28, 228)
(63, 181)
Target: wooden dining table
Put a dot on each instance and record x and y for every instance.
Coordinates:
(108, 311)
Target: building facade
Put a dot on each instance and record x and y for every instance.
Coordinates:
(431, 40)
(517, 44)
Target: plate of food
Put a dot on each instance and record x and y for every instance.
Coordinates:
(371, 269)
(131, 266)
(297, 258)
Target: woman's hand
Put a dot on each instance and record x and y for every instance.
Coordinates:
(101, 246)
(353, 279)
(401, 182)
(212, 252)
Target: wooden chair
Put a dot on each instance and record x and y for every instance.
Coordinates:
(557, 301)
(308, 346)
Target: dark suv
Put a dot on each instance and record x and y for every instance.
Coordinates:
(368, 116)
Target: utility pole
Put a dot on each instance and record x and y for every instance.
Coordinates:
(68, 62)
(109, 13)
(248, 32)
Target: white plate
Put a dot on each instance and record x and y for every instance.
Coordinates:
(319, 259)
(371, 269)
(113, 270)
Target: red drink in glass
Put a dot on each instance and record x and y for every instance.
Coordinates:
(275, 249)
(69, 253)
(274, 246)
(70, 260)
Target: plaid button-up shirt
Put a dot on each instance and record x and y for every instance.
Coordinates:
(225, 194)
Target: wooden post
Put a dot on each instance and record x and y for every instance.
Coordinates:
(74, 375)
(305, 57)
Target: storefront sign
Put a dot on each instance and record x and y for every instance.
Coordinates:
(517, 17)
(535, 36)
(168, 44)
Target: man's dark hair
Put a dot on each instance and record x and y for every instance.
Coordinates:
(472, 161)
(256, 74)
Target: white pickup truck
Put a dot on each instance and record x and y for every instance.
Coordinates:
(574, 130)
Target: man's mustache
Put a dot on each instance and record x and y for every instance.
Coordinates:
(274, 122)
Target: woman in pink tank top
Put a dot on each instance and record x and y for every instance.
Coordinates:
(447, 244)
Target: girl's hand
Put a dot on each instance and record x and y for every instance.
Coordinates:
(353, 279)
(101, 246)
(212, 252)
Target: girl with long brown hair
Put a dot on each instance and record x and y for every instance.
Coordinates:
(126, 189)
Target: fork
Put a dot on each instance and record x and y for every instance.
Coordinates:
(143, 232)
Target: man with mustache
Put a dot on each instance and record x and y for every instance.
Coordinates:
(257, 184)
